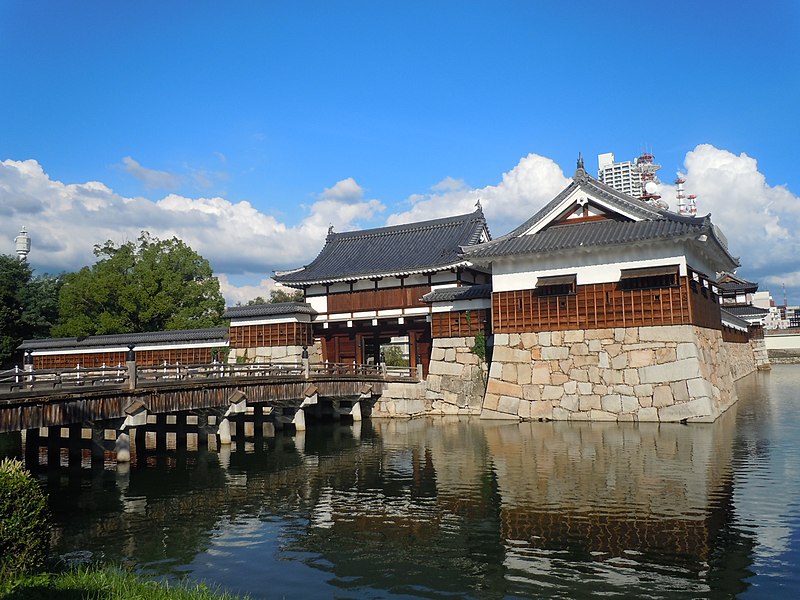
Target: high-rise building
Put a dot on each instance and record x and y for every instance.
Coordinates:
(622, 176)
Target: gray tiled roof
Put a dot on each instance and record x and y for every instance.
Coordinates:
(587, 235)
(651, 224)
(729, 286)
(467, 292)
(214, 335)
(420, 247)
(732, 320)
(268, 310)
(747, 311)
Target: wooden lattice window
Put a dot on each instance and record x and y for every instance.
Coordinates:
(649, 278)
(557, 285)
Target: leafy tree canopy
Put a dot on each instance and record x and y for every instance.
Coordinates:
(28, 305)
(278, 295)
(148, 285)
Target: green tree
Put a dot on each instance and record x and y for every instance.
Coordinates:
(278, 295)
(151, 285)
(15, 275)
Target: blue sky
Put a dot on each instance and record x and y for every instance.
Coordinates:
(360, 113)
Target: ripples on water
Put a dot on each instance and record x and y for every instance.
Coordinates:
(454, 508)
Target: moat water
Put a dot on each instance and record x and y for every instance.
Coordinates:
(448, 508)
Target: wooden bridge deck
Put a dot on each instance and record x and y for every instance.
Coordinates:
(45, 399)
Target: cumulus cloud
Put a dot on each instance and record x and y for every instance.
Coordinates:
(242, 294)
(151, 178)
(523, 190)
(761, 221)
(65, 220)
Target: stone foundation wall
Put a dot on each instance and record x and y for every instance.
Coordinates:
(455, 385)
(267, 354)
(662, 373)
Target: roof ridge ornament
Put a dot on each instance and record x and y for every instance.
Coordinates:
(581, 176)
(478, 205)
(330, 230)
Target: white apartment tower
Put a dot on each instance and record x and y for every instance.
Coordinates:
(622, 176)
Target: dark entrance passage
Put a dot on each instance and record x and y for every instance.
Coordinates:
(401, 344)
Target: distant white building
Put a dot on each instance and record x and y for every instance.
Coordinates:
(622, 176)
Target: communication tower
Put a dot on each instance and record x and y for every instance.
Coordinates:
(682, 208)
(692, 208)
(23, 242)
(647, 173)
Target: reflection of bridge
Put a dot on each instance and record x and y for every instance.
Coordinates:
(185, 402)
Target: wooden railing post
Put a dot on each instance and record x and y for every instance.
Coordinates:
(131, 364)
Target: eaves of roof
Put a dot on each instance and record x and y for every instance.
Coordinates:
(587, 235)
(213, 335)
(451, 294)
(268, 310)
(399, 250)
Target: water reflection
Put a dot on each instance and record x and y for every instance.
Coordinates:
(458, 508)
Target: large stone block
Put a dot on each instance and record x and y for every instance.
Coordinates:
(554, 352)
(574, 335)
(579, 349)
(579, 375)
(529, 340)
(524, 410)
(450, 355)
(508, 404)
(662, 396)
(541, 410)
(497, 416)
(511, 355)
(490, 401)
(631, 376)
(437, 354)
(531, 392)
(540, 374)
(559, 378)
(500, 339)
(667, 333)
(584, 387)
(586, 360)
(445, 368)
(644, 390)
(591, 402)
(630, 404)
(524, 373)
(571, 387)
(664, 355)
(700, 407)
(570, 403)
(545, 339)
(611, 403)
(647, 415)
(641, 358)
(495, 370)
(500, 388)
(699, 388)
(510, 372)
(602, 415)
(434, 382)
(688, 368)
(599, 334)
(552, 392)
(619, 362)
(680, 391)
(561, 414)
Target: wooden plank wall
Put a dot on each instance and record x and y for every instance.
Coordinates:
(456, 323)
(144, 358)
(405, 297)
(275, 334)
(604, 305)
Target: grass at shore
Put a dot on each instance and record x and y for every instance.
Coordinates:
(104, 583)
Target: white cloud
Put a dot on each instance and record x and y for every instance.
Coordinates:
(66, 220)
(523, 190)
(760, 221)
(151, 178)
(243, 293)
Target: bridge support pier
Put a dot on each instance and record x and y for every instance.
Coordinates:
(123, 447)
(224, 432)
(299, 420)
(32, 442)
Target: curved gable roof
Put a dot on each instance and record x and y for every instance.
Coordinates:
(421, 247)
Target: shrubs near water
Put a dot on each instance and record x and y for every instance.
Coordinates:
(24, 522)
(24, 545)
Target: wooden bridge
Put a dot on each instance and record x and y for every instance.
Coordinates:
(207, 399)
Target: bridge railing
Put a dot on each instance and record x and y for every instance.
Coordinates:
(18, 379)
(178, 371)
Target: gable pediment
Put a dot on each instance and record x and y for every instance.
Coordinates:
(582, 205)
